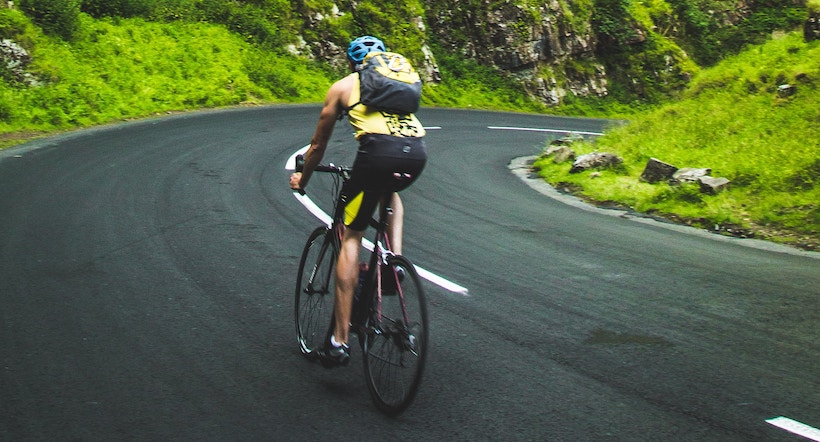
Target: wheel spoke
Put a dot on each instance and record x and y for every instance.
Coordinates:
(395, 353)
(314, 290)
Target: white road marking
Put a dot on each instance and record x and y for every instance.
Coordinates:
(313, 208)
(327, 219)
(536, 129)
(290, 164)
(795, 427)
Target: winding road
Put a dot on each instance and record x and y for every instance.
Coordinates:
(147, 271)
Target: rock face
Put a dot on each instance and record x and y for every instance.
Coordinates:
(15, 60)
(559, 49)
(556, 49)
(551, 53)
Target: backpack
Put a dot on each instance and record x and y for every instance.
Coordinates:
(389, 83)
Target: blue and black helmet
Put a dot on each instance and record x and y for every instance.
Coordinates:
(359, 48)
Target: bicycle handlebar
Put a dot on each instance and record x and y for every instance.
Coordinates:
(330, 168)
(342, 171)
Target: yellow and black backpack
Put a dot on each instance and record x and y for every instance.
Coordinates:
(389, 83)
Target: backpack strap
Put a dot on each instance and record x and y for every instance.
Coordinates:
(346, 110)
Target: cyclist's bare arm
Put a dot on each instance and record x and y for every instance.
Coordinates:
(337, 96)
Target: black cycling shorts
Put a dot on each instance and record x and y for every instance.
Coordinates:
(384, 163)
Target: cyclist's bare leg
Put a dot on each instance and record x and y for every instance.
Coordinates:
(347, 276)
(395, 224)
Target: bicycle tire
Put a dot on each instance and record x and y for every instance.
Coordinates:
(315, 290)
(393, 358)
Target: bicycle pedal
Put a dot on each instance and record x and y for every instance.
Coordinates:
(408, 344)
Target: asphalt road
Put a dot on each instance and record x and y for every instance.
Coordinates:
(147, 271)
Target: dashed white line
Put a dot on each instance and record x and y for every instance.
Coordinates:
(795, 427)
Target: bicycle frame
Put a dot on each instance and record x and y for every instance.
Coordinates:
(378, 256)
(378, 259)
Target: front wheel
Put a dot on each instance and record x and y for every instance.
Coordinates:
(315, 290)
(395, 345)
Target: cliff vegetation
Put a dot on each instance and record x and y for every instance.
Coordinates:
(750, 119)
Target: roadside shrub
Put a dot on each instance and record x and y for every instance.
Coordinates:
(118, 8)
(705, 35)
(174, 10)
(56, 17)
(612, 22)
(252, 23)
(12, 23)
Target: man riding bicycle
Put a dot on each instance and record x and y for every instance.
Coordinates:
(389, 144)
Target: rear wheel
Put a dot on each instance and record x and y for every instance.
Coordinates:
(395, 347)
(315, 290)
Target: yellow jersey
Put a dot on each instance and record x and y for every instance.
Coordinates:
(369, 121)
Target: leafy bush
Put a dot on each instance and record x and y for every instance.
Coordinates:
(612, 22)
(649, 72)
(13, 24)
(57, 17)
(707, 38)
(174, 10)
(118, 8)
(394, 21)
(248, 21)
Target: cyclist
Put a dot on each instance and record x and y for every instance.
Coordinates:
(388, 144)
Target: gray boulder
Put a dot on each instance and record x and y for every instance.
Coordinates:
(567, 140)
(560, 153)
(657, 171)
(712, 185)
(689, 175)
(595, 160)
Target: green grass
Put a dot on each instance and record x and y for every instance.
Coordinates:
(732, 120)
(134, 68)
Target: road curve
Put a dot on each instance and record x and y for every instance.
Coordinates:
(146, 278)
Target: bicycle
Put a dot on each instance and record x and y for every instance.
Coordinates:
(389, 316)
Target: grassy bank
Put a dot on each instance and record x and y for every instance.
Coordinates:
(115, 69)
(734, 120)
(130, 68)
